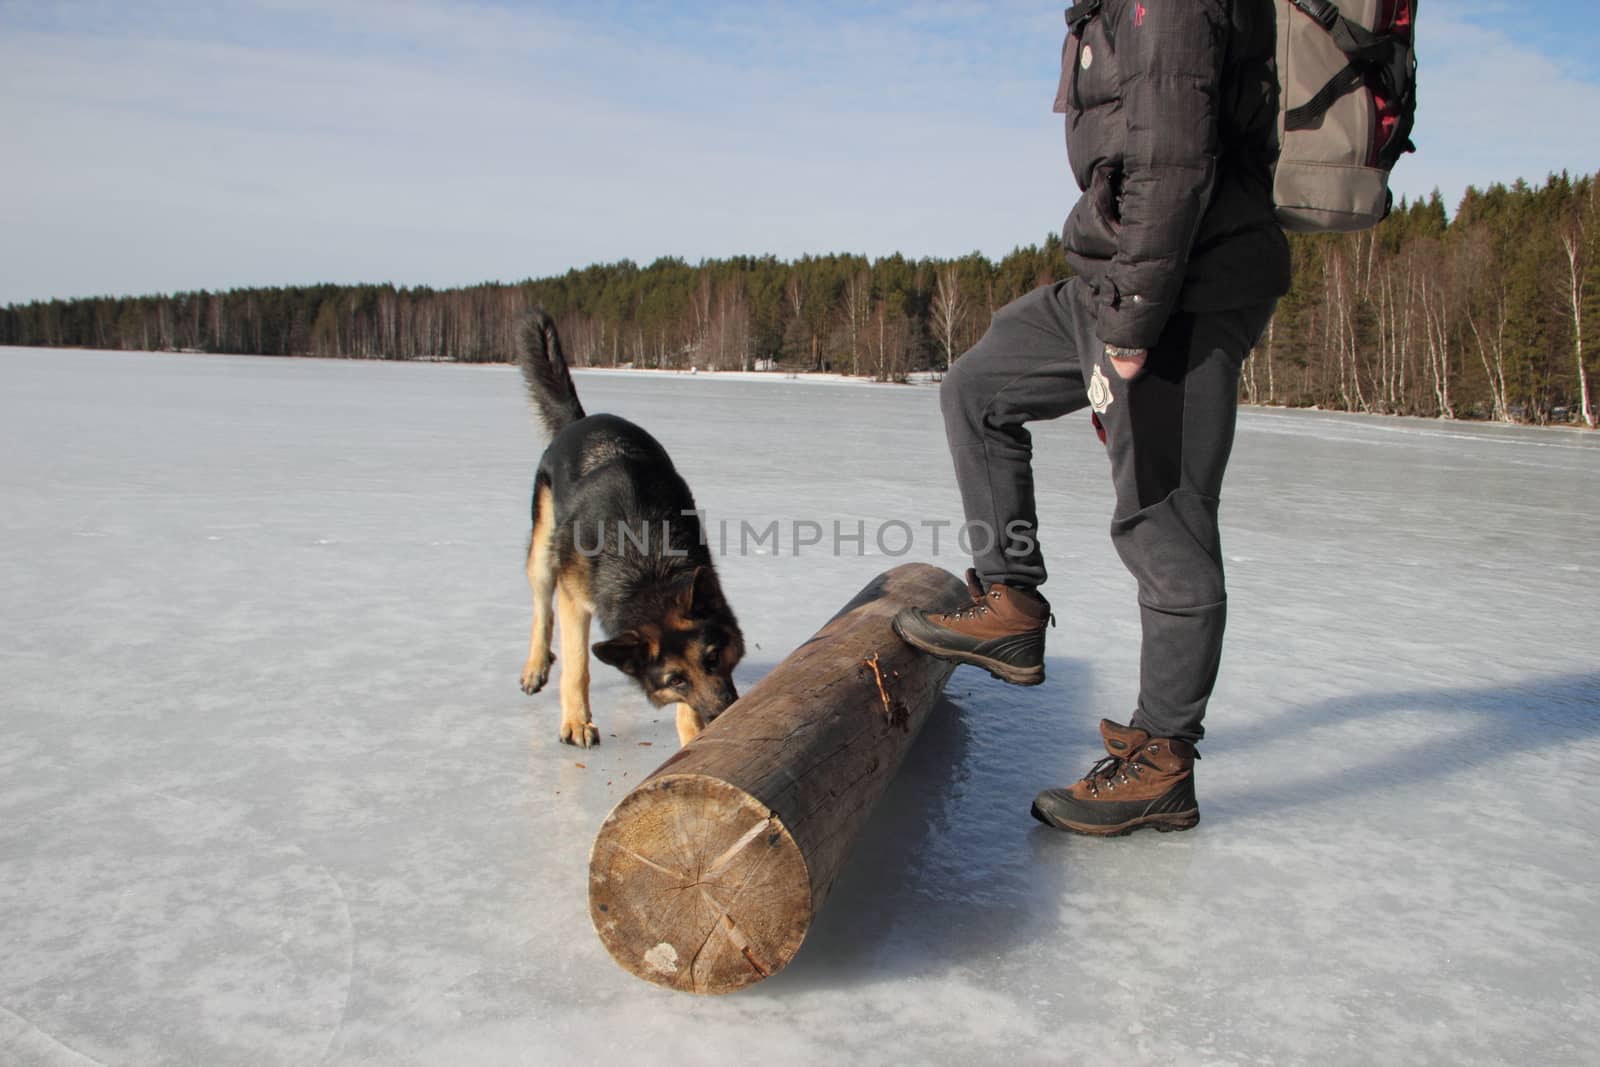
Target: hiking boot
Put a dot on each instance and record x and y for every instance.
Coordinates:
(1002, 631)
(1145, 781)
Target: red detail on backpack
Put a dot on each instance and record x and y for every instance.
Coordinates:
(1138, 14)
(1401, 21)
(1099, 427)
(1393, 17)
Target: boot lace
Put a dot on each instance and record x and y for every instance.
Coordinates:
(980, 599)
(1110, 770)
(1113, 770)
(979, 607)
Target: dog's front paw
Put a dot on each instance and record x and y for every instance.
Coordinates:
(577, 732)
(535, 674)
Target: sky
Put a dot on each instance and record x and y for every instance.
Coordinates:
(177, 144)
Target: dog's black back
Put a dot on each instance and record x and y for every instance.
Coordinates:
(620, 503)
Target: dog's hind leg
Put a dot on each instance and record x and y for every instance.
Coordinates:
(689, 724)
(575, 611)
(542, 580)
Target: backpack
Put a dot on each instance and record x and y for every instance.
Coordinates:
(1347, 98)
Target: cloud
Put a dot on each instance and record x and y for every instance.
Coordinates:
(164, 146)
(449, 145)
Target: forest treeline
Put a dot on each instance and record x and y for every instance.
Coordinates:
(1484, 315)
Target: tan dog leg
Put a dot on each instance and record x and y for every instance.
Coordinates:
(542, 580)
(689, 724)
(575, 613)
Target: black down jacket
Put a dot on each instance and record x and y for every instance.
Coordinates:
(1171, 112)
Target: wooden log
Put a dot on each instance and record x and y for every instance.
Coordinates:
(707, 876)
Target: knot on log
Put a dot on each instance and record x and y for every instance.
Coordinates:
(895, 712)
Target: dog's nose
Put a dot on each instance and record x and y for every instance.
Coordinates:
(724, 695)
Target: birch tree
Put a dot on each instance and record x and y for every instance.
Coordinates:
(949, 310)
(1577, 239)
(856, 307)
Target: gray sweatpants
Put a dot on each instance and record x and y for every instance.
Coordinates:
(1168, 434)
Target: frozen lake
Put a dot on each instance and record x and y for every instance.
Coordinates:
(269, 793)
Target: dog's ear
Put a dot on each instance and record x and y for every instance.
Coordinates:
(702, 596)
(628, 652)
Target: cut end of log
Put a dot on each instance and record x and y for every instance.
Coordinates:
(694, 884)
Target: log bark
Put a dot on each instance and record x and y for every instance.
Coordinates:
(707, 876)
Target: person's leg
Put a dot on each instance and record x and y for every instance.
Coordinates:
(1027, 367)
(1169, 434)
(1169, 441)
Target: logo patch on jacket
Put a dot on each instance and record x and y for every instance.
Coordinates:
(1099, 391)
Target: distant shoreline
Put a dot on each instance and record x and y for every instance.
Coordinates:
(919, 379)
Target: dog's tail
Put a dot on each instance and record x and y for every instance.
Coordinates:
(544, 369)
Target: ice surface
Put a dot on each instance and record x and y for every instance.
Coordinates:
(269, 793)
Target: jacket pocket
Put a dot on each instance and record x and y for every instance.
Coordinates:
(1088, 232)
(1093, 226)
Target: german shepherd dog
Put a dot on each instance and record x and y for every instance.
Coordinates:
(616, 534)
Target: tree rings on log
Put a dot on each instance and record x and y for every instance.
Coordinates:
(705, 907)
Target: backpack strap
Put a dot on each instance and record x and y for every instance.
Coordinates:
(1309, 114)
(1082, 12)
(1357, 42)
(1373, 57)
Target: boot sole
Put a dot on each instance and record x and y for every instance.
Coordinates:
(1006, 672)
(1164, 823)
